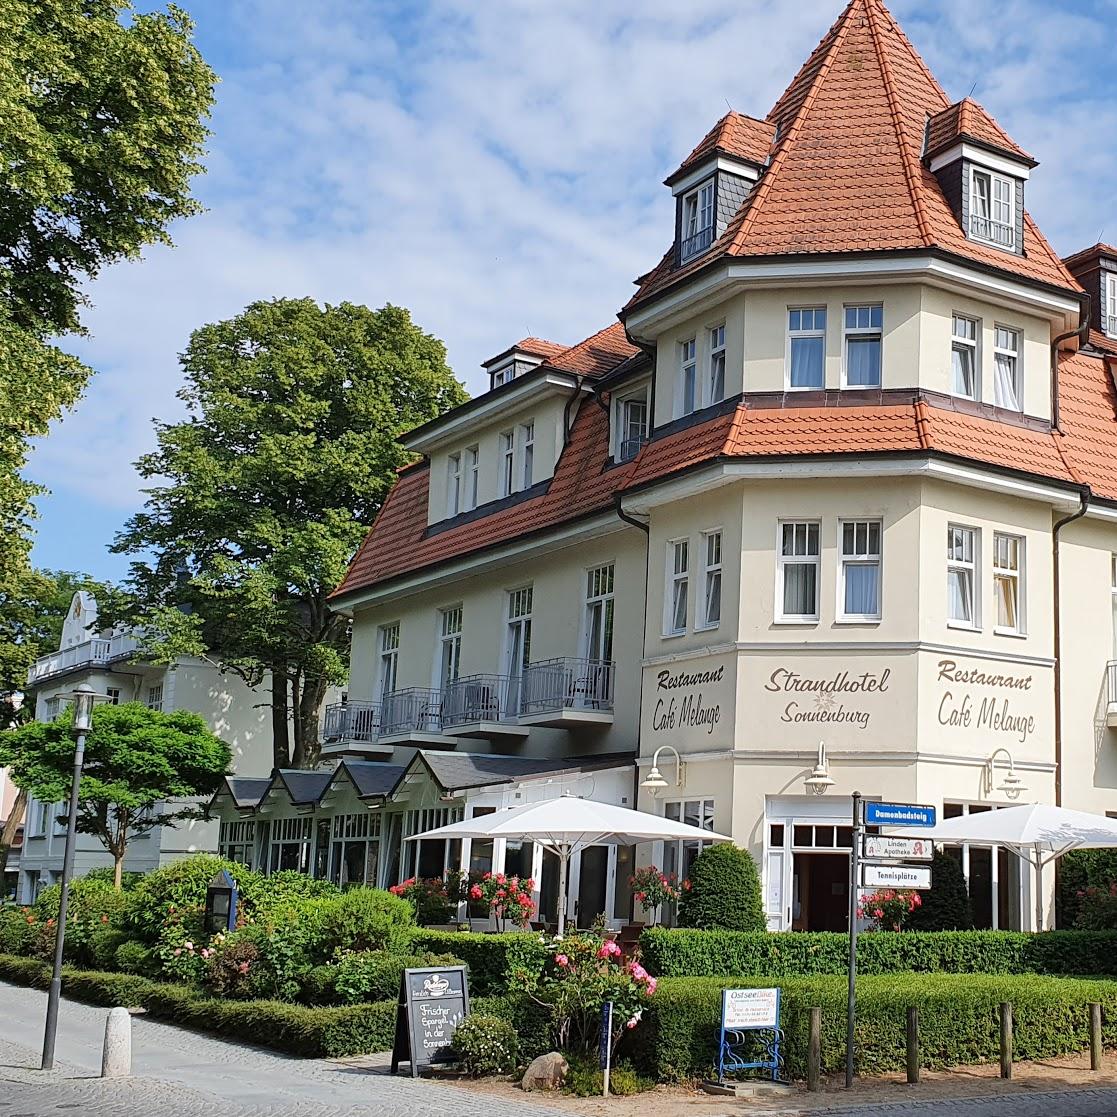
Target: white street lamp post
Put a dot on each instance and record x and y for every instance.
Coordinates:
(654, 780)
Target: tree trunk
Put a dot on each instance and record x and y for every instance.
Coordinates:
(8, 834)
(118, 850)
(281, 736)
(308, 716)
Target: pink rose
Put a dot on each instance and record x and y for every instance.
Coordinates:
(632, 1023)
(561, 960)
(177, 952)
(650, 986)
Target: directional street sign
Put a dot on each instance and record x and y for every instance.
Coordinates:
(880, 848)
(897, 876)
(898, 814)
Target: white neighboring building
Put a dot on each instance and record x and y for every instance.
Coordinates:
(107, 661)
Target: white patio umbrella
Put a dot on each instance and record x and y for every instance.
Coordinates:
(567, 825)
(1038, 832)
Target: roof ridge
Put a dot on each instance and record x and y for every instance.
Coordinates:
(914, 186)
(838, 31)
(916, 57)
(923, 424)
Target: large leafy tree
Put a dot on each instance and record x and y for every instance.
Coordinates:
(271, 483)
(102, 115)
(134, 759)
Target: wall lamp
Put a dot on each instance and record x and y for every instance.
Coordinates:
(654, 780)
(820, 780)
(1012, 785)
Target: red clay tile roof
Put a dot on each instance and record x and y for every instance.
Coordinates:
(736, 134)
(598, 354)
(1103, 342)
(967, 119)
(847, 174)
(539, 347)
(1088, 411)
(1099, 249)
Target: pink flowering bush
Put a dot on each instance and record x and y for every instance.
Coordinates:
(652, 888)
(581, 973)
(506, 899)
(888, 908)
(430, 897)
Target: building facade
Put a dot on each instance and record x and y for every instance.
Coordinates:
(110, 663)
(837, 498)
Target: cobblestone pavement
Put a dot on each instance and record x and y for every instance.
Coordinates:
(1062, 1103)
(177, 1073)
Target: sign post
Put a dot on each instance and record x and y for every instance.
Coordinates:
(854, 877)
(432, 1003)
(605, 1046)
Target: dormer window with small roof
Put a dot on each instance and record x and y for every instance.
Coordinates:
(697, 233)
(1096, 269)
(1111, 304)
(992, 207)
(520, 359)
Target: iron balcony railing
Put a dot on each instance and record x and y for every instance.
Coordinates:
(628, 449)
(86, 654)
(1111, 325)
(997, 232)
(1111, 683)
(567, 684)
(474, 698)
(415, 709)
(697, 242)
(352, 721)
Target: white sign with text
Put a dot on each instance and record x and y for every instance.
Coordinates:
(898, 849)
(897, 876)
(751, 1008)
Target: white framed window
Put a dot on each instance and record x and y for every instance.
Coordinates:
(1111, 304)
(389, 658)
(992, 208)
(711, 579)
(630, 423)
(1007, 383)
(289, 844)
(715, 384)
(860, 590)
(798, 561)
(1008, 582)
(697, 226)
(806, 347)
(113, 695)
(52, 707)
(449, 646)
(863, 331)
(688, 376)
(963, 357)
(504, 375)
(237, 841)
(453, 484)
(472, 477)
(507, 462)
(519, 631)
(678, 587)
(679, 857)
(962, 555)
(599, 613)
(527, 454)
(155, 697)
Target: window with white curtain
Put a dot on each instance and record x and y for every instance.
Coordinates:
(454, 485)
(599, 612)
(993, 208)
(861, 551)
(1006, 368)
(806, 346)
(716, 385)
(507, 463)
(630, 425)
(527, 453)
(697, 221)
(864, 327)
(472, 477)
(798, 565)
(1008, 581)
(678, 586)
(450, 646)
(389, 657)
(711, 579)
(961, 575)
(963, 356)
(1111, 305)
(688, 376)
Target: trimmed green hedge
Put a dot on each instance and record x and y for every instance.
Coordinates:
(678, 953)
(959, 1020)
(492, 959)
(294, 1029)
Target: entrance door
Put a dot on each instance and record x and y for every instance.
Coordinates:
(592, 881)
(821, 890)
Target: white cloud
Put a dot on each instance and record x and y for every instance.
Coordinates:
(495, 167)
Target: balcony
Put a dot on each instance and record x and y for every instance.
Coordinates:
(483, 706)
(985, 228)
(89, 653)
(567, 692)
(696, 243)
(1111, 695)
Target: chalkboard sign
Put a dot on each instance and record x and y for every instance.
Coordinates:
(432, 1003)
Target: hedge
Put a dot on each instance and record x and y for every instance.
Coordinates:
(679, 953)
(959, 1021)
(492, 959)
(293, 1029)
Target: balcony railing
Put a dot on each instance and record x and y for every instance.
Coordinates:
(1111, 683)
(416, 709)
(629, 448)
(997, 232)
(89, 653)
(1111, 325)
(696, 243)
(352, 721)
(567, 684)
(476, 698)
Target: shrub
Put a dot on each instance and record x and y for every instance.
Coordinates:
(506, 899)
(723, 892)
(230, 969)
(709, 953)
(428, 897)
(15, 931)
(494, 961)
(586, 1079)
(318, 986)
(1079, 870)
(103, 946)
(134, 958)
(1098, 907)
(486, 1045)
(888, 909)
(946, 904)
(288, 888)
(375, 975)
(367, 919)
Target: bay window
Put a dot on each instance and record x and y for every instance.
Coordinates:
(798, 562)
(864, 327)
(697, 221)
(711, 579)
(963, 357)
(1008, 573)
(1006, 367)
(454, 485)
(992, 208)
(961, 576)
(715, 386)
(860, 571)
(688, 377)
(678, 584)
(806, 339)
(507, 463)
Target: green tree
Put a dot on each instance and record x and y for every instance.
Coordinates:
(288, 452)
(946, 904)
(723, 892)
(101, 126)
(134, 759)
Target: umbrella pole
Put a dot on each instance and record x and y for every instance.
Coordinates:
(1039, 892)
(564, 855)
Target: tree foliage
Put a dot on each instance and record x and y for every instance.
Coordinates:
(288, 452)
(724, 892)
(101, 126)
(946, 905)
(134, 759)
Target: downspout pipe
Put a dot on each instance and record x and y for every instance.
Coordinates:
(567, 423)
(1080, 333)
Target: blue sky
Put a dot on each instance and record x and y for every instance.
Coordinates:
(496, 167)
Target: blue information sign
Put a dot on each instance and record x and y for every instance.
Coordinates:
(604, 1043)
(899, 814)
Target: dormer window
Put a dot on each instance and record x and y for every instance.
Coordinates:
(697, 226)
(1111, 305)
(992, 208)
(630, 424)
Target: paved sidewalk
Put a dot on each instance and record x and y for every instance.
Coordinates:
(178, 1073)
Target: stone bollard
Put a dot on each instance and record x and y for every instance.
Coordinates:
(116, 1060)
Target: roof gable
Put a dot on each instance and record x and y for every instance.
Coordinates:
(735, 135)
(966, 119)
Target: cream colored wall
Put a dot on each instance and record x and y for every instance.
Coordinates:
(916, 349)
(548, 415)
